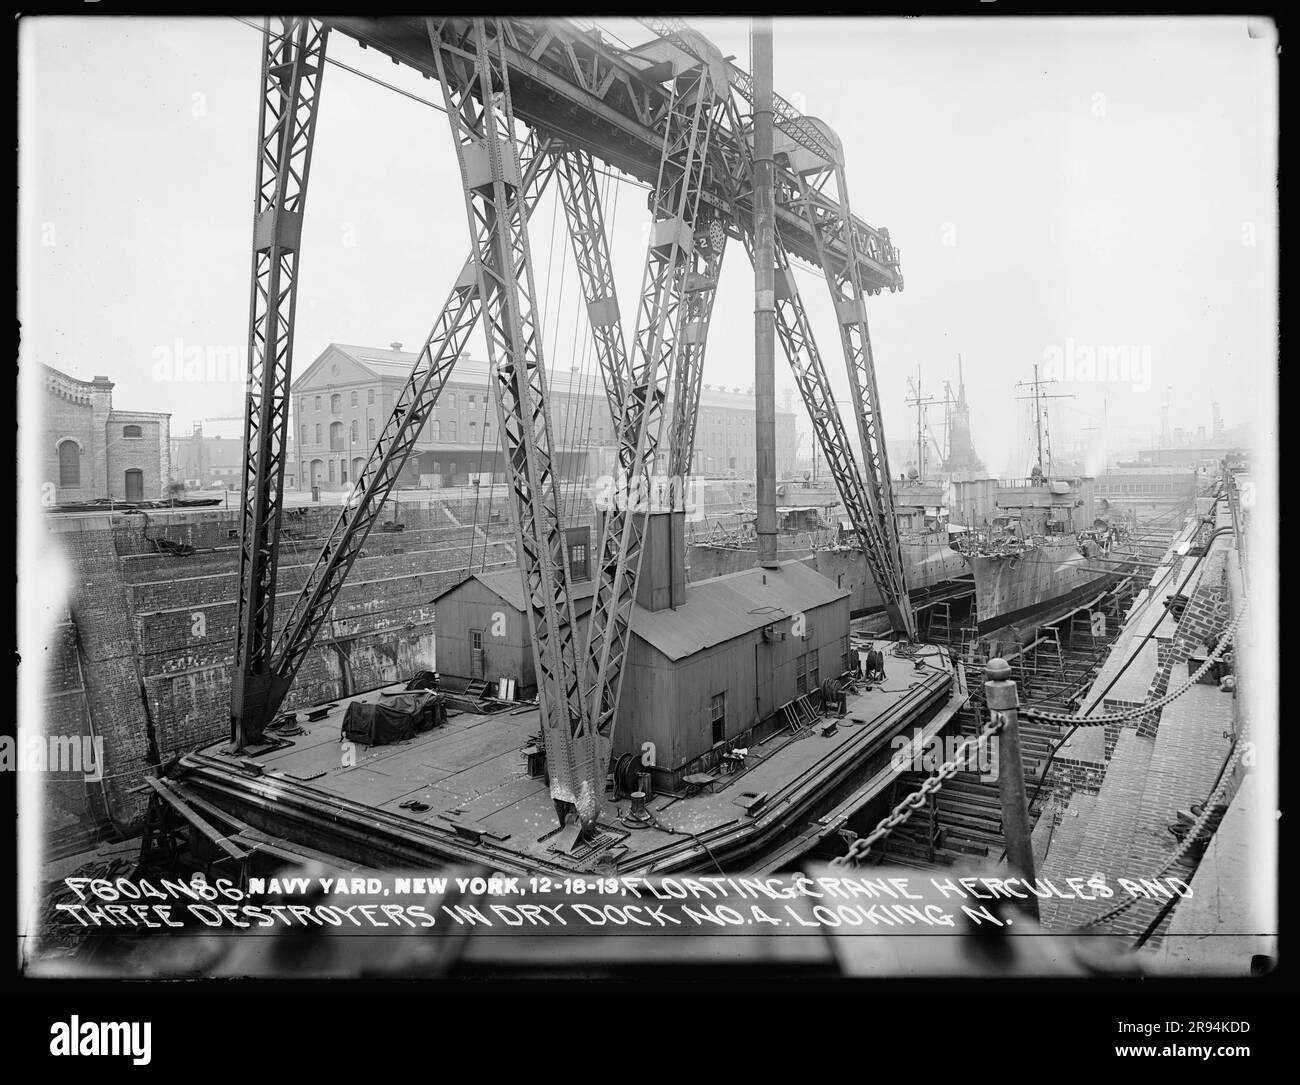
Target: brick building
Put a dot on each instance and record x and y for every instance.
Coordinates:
(91, 449)
(343, 399)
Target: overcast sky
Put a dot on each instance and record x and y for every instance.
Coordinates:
(1053, 185)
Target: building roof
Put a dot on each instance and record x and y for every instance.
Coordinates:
(716, 610)
(725, 607)
(509, 585)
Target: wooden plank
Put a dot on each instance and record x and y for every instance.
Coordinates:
(192, 818)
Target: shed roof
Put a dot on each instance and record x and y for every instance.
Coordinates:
(508, 585)
(716, 610)
(724, 607)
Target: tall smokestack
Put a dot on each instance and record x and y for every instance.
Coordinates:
(764, 301)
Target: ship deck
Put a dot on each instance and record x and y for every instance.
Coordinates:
(482, 806)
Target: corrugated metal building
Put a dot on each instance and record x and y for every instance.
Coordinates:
(703, 675)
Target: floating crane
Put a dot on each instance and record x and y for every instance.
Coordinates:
(530, 101)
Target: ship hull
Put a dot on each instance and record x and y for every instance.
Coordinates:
(1015, 595)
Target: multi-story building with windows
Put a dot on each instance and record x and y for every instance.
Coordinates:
(343, 399)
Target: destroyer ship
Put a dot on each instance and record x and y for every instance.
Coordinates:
(1043, 554)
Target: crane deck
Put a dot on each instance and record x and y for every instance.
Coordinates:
(481, 805)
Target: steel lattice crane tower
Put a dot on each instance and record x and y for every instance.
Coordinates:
(528, 102)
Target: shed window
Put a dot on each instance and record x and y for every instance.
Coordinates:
(806, 676)
(132, 431)
(718, 717)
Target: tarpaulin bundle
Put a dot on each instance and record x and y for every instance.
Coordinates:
(395, 720)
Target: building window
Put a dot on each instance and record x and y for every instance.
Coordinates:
(336, 403)
(354, 430)
(304, 435)
(370, 429)
(318, 433)
(437, 468)
(451, 400)
(354, 399)
(471, 401)
(69, 463)
(317, 404)
(473, 430)
(487, 431)
(331, 470)
(452, 472)
(578, 562)
(370, 395)
(435, 430)
(336, 436)
(718, 717)
(806, 677)
(451, 431)
(132, 431)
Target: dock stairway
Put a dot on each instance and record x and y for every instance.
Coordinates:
(476, 688)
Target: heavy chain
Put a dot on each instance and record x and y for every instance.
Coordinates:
(1207, 811)
(1225, 642)
(918, 798)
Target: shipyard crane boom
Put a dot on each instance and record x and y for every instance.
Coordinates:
(870, 512)
(527, 99)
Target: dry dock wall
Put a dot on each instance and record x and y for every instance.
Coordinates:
(143, 659)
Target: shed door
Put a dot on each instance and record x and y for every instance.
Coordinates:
(135, 485)
(476, 653)
(763, 679)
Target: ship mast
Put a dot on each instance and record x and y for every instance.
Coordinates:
(1040, 425)
(920, 402)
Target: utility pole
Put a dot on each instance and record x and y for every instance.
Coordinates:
(764, 294)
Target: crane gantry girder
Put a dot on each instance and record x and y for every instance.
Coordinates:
(445, 344)
(293, 62)
(476, 90)
(696, 110)
(701, 290)
(832, 219)
(585, 217)
(794, 330)
(584, 92)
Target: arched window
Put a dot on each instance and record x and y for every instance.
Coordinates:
(435, 430)
(132, 431)
(336, 403)
(354, 399)
(370, 395)
(336, 436)
(69, 463)
(370, 429)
